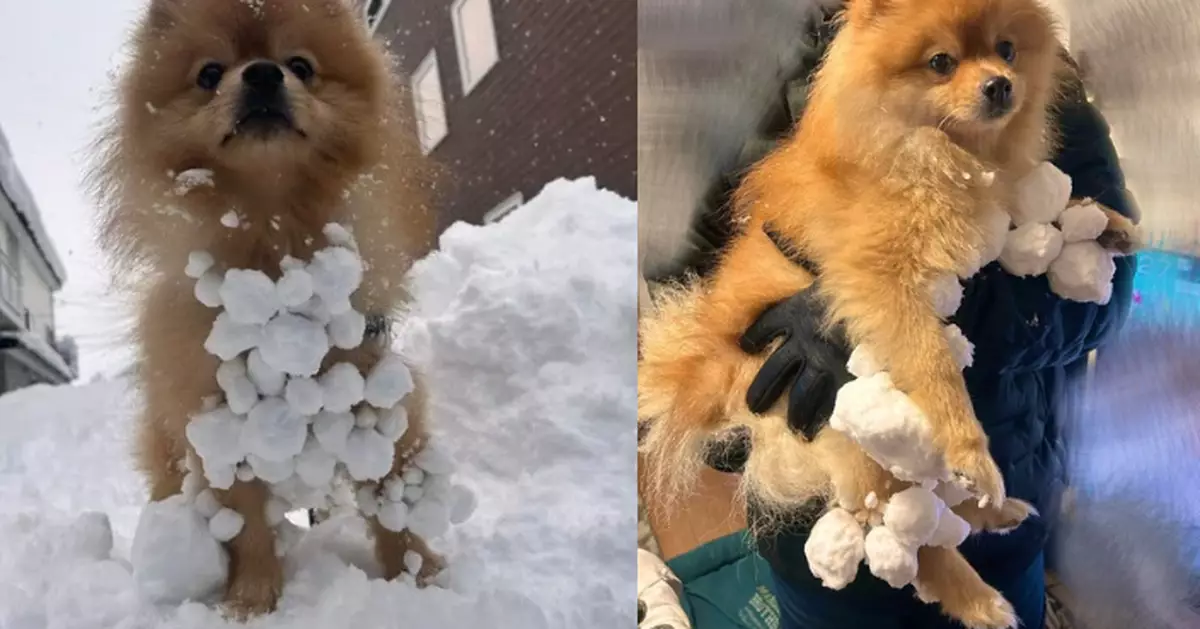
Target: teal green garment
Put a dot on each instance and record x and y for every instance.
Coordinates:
(726, 585)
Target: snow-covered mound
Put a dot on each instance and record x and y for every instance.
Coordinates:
(525, 331)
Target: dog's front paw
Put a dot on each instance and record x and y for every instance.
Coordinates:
(974, 471)
(1121, 235)
(253, 594)
(993, 612)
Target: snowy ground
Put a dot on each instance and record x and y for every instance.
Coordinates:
(526, 330)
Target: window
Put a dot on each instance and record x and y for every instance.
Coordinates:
(373, 11)
(504, 208)
(428, 102)
(475, 39)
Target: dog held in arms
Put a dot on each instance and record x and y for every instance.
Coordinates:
(923, 116)
(297, 115)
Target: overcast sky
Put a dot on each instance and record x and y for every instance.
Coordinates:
(57, 61)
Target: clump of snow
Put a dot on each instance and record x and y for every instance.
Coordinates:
(189, 180)
(1031, 248)
(1041, 195)
(231, 219)
(889, 427)
(834, 548)
(1085, 221)
(1084, 272)
(171, 535)
(889, 558)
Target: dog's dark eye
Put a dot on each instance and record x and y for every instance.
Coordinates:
(942, 63)
(1007, 51)
(210, 76)
(301, 67)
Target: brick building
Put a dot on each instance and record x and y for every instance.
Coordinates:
(512, 94)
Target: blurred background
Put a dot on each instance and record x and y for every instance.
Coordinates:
(717, 79)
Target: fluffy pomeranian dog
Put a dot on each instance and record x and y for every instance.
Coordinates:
(923, 116)
(296, 113)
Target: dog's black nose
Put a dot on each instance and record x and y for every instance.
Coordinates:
(263, 75)
(997, 96)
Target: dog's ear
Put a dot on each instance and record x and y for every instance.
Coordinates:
(862, 12)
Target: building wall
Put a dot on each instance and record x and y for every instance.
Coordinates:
(561, 102)
(38, 298)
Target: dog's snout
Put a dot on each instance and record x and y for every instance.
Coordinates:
(263, 75)
(997, 96)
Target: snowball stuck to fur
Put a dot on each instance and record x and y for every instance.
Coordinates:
(413, 493)
(294, 345)
(206, 503)
(862, 363)
(413, 561)
(388, 383)
(272, 471)
(315, 465)
(393, 515)
(952, 494)
(951, 531)
(889, 427)
(1084, 272)
(1031, 248)
(888, 558)
(366, 417)
(393, 488)
(429, 518)
(332, 429)
(413, 475)
(341, 387)
(199, 262)
(434, 460)
(339, 236)
(947, 294)
(174, 556)
(240, 392)
(835, 548)
(208, 290)
(347, 329)
(368, 455)
(1041, 195)
(1083, 222)
(230, 219)
(295, 287)
(314, 309)
(220, 476)
(191, 179)
(913, 515)
(229, 338)
(244, 472)
(336, 273)
(962, 348)
(276, 510)
(304, 395)
(268, 380)
(273, 431)
(226, 524)
(249, 296)
(216, 436)
(393, 423)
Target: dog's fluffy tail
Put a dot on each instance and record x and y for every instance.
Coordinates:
(686, 375)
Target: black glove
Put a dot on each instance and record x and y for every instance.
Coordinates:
(810, 362)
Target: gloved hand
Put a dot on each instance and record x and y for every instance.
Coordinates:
(808, 364)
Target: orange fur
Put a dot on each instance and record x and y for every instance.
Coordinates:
(882, 185)
(355, 163)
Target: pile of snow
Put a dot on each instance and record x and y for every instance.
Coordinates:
(526, 332)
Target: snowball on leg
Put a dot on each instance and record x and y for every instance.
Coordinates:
(835, 548)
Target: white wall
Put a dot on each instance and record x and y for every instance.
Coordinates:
(37, 297)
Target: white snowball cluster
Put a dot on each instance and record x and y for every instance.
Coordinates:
(420, 498)
(894, 432)
(1060, 242)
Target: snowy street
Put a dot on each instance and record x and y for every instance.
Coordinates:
(525, 331)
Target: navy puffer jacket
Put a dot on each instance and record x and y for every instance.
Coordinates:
(1030, 347)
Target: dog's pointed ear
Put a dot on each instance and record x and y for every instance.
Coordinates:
(861, 12)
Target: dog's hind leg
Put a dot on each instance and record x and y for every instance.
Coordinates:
(255, 572)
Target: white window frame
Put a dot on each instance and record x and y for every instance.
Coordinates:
(504, 208)
(464, 69)
(372, 25)
(428, 64)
